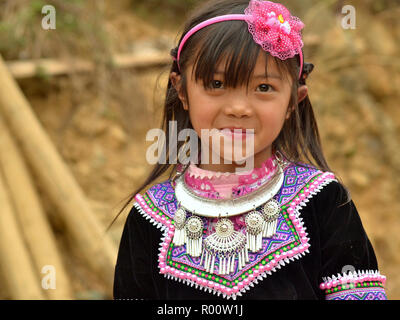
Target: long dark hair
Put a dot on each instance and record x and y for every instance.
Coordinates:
(299, 139)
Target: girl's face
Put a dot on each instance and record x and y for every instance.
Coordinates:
(263, 107)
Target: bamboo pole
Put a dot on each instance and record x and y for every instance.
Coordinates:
(85, 231)
(54, 67)
(22, 69)
(16, 265)
(36, 230)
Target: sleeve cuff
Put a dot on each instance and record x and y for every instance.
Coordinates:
(357, 285)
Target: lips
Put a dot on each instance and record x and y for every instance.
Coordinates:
(237, 133)
(236, 129)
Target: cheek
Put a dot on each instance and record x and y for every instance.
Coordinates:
(272, 122)
(202, 115)
(199, 119)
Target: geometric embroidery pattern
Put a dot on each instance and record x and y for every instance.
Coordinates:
(355, 285)
(359, 294)
(290, 242)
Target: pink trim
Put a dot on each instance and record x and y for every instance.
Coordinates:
(159, 219)
(301, 63)
(207, 183)
(355, 277)
(258, 274)
(266, 167)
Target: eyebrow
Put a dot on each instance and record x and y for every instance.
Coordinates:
(260, 76)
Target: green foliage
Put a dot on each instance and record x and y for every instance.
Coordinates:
(163, 12)
(8, 38)
(181, 5)
(377, 6)
(42, 74)
(22, 35)
(35, 7)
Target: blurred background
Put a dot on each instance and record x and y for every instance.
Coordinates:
(76, 103)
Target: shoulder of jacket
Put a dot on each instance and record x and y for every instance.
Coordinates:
(160, 193)
(304, 172)
(158, 203)
(302, 182)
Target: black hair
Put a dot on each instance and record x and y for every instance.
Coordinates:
(299, 140)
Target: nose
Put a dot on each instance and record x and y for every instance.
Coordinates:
(239, 106)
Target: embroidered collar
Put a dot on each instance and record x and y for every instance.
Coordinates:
(228, 207)
(290, 242)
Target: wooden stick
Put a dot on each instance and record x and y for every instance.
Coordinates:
(54, 67)
(22, 279)
(36, 230)
(83, 228)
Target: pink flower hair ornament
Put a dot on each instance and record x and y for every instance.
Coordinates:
(271, 25)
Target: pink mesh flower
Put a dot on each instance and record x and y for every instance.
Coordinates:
(274, 28)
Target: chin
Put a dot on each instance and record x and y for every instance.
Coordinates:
(238, 158)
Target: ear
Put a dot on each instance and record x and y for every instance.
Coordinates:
(302, 93)
(176, 80)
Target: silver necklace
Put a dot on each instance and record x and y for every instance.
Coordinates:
(220, 250)
(215, 208)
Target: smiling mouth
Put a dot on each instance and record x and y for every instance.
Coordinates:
(237, 130)
(237, 133)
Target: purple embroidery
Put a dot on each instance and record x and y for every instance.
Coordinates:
(356, 285)
(290, 240)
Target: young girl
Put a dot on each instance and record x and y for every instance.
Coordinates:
(284, 230)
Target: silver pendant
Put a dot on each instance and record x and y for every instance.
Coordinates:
(194, 231)
(254, 225)
(227, 244)
(211, 208)
(180, 230)
(270, 213)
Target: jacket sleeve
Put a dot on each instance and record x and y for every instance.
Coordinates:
(134, 270)
(349, 267)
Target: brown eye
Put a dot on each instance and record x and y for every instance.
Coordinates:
(216, 84)
(265, 87)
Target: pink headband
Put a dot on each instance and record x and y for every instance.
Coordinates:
(271, 25)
